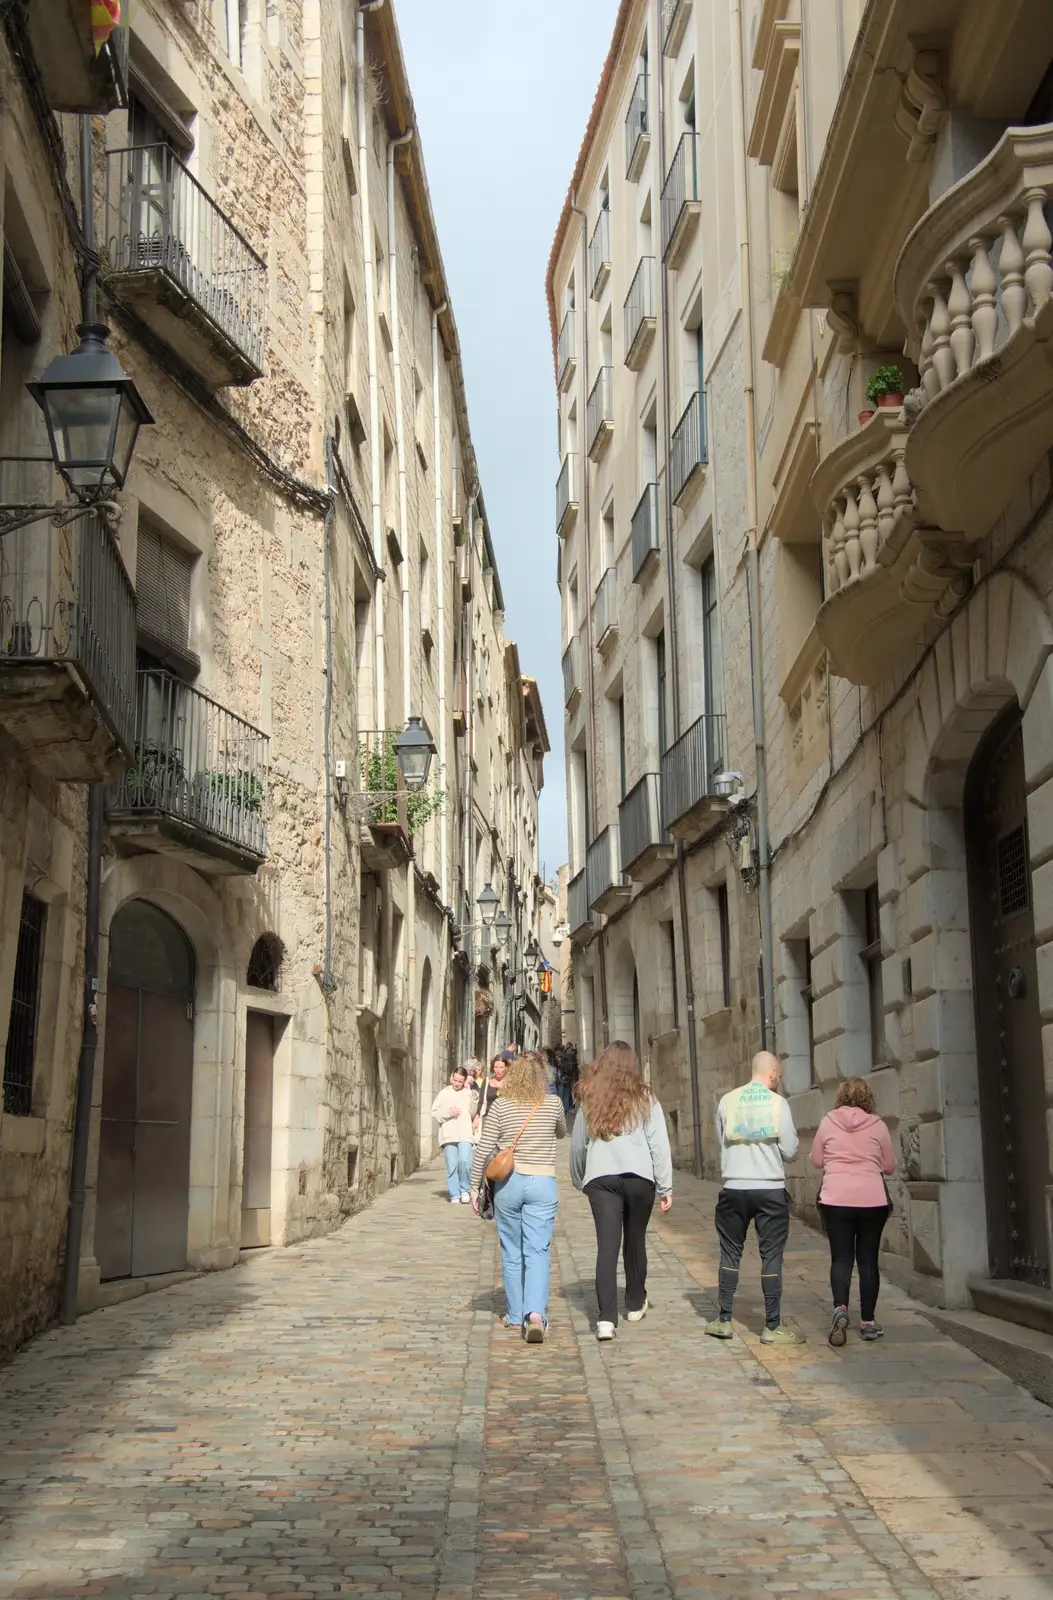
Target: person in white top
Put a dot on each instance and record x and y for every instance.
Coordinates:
(454, 1110)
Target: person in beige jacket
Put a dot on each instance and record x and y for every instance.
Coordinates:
(454, 1110)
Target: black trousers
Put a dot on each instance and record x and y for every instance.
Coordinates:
(769, 1211)
(855, 1233)
(621, 1210)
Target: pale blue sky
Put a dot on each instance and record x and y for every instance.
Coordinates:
(503, 93)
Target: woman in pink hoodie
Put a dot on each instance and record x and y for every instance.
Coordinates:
(853, 1150)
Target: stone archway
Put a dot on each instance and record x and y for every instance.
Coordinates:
(997, 650)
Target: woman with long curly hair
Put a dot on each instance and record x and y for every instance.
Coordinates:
(527, 1115)
(620, 1156)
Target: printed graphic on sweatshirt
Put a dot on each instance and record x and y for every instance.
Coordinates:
(751, 1115)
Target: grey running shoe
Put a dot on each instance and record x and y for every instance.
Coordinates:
(838, 1327)
(871, 1331)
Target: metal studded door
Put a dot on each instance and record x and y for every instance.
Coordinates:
(1008, 1026)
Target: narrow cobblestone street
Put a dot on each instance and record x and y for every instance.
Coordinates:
(348, 1417)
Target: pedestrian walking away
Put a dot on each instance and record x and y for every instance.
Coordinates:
(567, 1076)
(853, 1150)
(454, 1110)
(526, 1116)
(757, 1137)
(620, 1157)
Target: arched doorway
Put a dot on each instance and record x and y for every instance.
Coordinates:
(1008, 1022)
(144, 1149)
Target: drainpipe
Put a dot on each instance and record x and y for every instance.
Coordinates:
(674, 650)
(468, 784)
(379, 696)
(753, 554)
(400, 425)
(440, 600)
(78, 1178)
(592, 816)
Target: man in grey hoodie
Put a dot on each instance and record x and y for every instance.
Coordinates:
(757, 1136)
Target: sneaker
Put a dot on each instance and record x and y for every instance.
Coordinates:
(534, 1329)
(638, 1316)
(871, 1331)
(605, 1331)
(719, 1329)
(505, 1323)
(455, 1200)
(838, 1327)
(466, 1199)
(782, 1335)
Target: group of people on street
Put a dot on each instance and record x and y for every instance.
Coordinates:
(498, 1138)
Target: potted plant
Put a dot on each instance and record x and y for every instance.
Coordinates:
(884, 389)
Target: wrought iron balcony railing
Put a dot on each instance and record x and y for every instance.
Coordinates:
(567, 493)
(605, 609)
(66, 601)
(578, 914)
(603, 871)
(571, 686)
(640, 819)
(196, 763)
(600, 254)
(636, 126)
(159, 220)
(680, 189)
(599, 416)
(645, 531)
(639, 313)
(690, 765)
(690, 447)
(565, 350)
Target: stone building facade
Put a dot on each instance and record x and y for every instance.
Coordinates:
(299, 563)
(887, 195)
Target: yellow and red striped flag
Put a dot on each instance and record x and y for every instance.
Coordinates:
(105, 15)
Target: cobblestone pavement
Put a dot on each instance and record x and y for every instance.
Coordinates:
(349, 1417)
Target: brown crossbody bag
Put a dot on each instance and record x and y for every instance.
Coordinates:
(503, 1164)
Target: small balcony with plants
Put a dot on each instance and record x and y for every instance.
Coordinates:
(75, 74)
(67, 637)
(197, 786)
(640, 313)
(391, 815)
(681, 208)
(637, 129)
(692, 798)
(175, 260)
(646, 849)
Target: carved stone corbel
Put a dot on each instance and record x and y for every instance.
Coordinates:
(842, 316)
(923, 103)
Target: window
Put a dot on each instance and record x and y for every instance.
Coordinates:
(809, 1002)
(659, 657)
(712, 674)
(25, 1005)
(237, 30)
(619, 707)
(265, 963)
(724, 924)
(669, 934)
(163, 571)
(870, 955)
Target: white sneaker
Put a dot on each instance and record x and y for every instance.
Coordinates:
(638, 1316)
(605, 1331)
(454, 1200)
(466, 1199)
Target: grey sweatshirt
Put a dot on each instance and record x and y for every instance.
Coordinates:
(756, 1164)
(643, 1150)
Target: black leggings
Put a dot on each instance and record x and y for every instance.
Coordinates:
(855, 1233)
(621, 1209)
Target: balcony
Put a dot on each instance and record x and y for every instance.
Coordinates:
(571, 686)
(599, 414)
(605, 885)
(178, 263)
(639, 313)
(600, 254)
(464, 569)
(460, 701)
(974, 282)
(689, 450)
(605, 611)
(579, 917)
(645, 533)
(674, 25)
(197, 788)
(67, 642)
(886, 576)
(645, 846)
(566, 353)
(689, 803)
(567, 495)
(681, 210)
(73, 76)
(637, 130)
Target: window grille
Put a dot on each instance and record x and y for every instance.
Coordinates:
(265, 963)
(25, 1006)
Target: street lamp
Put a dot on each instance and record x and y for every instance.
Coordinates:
(414, 749)
(93, 413)
(502, 928)
(488, 903)
(531, 956)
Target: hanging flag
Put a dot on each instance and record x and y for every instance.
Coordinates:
(105, 15)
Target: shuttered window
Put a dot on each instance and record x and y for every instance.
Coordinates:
(162, 585)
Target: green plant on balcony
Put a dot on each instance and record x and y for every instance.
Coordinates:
(156, 775)
(886, 387)
(381, 776)
(237, 792)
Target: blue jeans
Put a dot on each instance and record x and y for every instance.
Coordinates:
(525, 1211)
(458, 1159)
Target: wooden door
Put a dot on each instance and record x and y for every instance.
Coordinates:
(1008, 1023)
(259, 1129)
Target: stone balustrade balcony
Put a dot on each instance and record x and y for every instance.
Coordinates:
(973, 283)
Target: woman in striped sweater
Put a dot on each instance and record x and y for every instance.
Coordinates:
(525, 1203)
